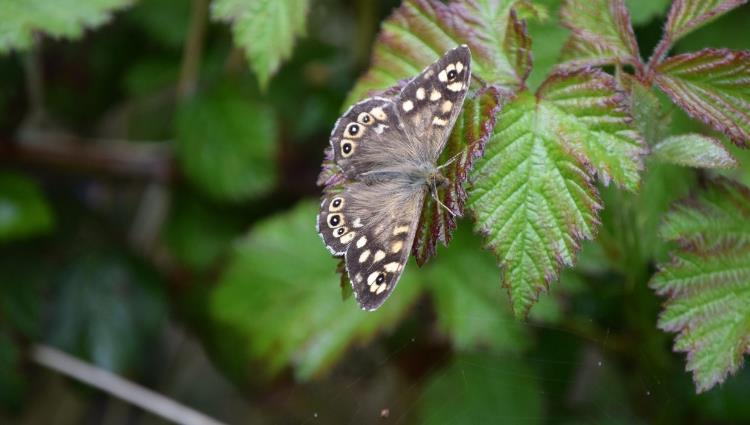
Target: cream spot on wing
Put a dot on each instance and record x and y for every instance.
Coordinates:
(447, 106)
(378, 113)
(357, 222)
(420, 93)
(459, 67)
(358, 278)
(450, 67)
(400, 229)
(443, 76)
(396, 247)
(457, 86)
(363, 256)
(381, 288)
(379, 255)
(371, 278)
(392, 267)
(348, 237)
(439, 121)
(429, 74)
(373, 288)
(435, 95)
(380, 127)
(408, 105)
(361, 242)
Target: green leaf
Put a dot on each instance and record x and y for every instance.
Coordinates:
(469, 304)
(265, 29)
(689, 15)
(707, 284)
(482, 389)
(23, 210)
(533, 196)
(644, 11)
(694, 150)
(601, 34)
(21, 19)
(294, 316)
(472, 130)
(420, 31)
(711, 86)
(227, 145)
(108, 310)
(649, 115)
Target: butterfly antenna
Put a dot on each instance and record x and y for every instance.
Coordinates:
(435, 197)
(451, 160)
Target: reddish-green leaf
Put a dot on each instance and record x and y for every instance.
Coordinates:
(601, 33)
(420, 31)
(713, 86)
(532, 193)
(708, 281)
(688, 15)
(472, 130)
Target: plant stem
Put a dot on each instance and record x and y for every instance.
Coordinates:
(32, 65)
(193, 50)
(119, 387)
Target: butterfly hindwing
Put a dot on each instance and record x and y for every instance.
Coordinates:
(335, 226)
(430, 102)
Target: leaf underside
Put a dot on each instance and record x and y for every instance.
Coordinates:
(466, 143)
(265, 29)
(694, 150)
(686, 16)
(707, 284)
(532, 193)
(712, 86)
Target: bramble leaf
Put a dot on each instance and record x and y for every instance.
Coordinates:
(294, 315)
(265, 29)
(20, 19)
(227, 145)
(707, 284)
(686, 16)
(694, 150)
(712, 86)
(23, 210)
(420, 31)
(470, 133)
(601, 34)
(532, 193)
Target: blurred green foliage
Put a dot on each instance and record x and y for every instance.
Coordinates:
(170, 238)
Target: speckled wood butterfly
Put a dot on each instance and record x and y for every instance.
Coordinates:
(386, 151)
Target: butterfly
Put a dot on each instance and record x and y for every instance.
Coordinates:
(385, 151)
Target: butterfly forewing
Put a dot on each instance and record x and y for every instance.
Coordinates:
(385, 150)
(431, 101)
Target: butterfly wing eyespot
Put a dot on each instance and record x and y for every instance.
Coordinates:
(347, 147)
(354, 130)
(365, 118)
(334, 220)
(337, 204)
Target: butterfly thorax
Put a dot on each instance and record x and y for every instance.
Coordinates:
(413, 177)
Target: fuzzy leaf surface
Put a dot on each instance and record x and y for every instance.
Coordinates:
(20, 19)
(707, 284)
(601, 33)
(685, 16)
(532, 193)
(472, 130)
(419, 31)
(294, 316)
(712, 86)
(264, 29)
(694, 150)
